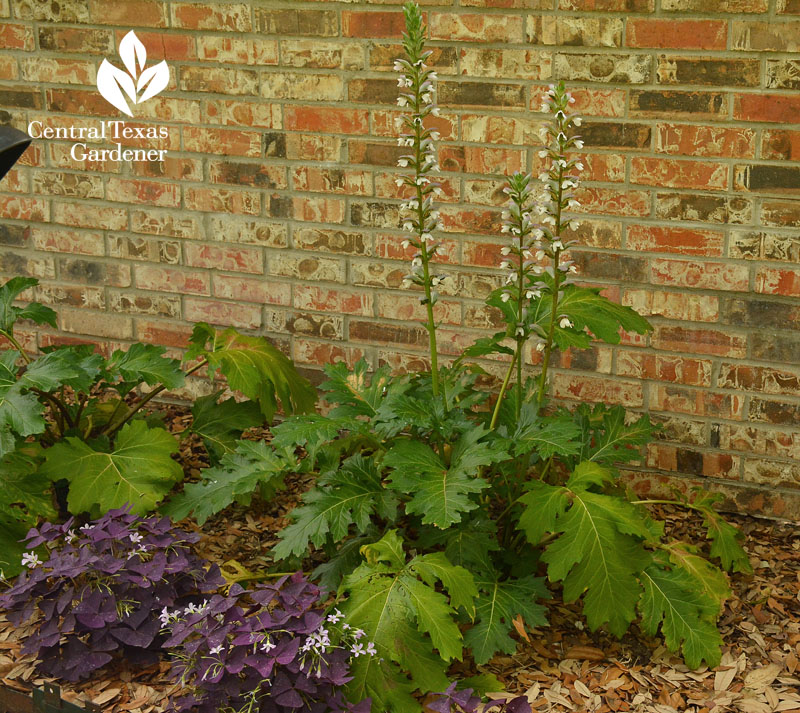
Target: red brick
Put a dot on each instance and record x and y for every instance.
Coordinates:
(255, 290)
(326, 119)
(126, 190)
(678, 174)
(225, 314)
(684, 241)
(67, 241)
(612, 201)
(774, 281)
(22, 208)
(319, 210)
(776, 108)
(228, 142)
(166, 279)
(131, 13)
(222, 200)
(676, 34)
(16, 37)
(237, 50)
(609, 391)
(462, 27)
(664, 367)
(759, 378)
(696, 402)
(161, 45)
(372, 24)
(321, 299)
(700, 341)
(407, 308)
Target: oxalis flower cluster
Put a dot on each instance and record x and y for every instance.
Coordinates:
(535, 263)
(266, 649)
(419, 218)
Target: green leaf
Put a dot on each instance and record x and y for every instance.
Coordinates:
(9, 314)
(499, 603)
(686, 617)
(20, 412)
(545, 436)
(587, 474)
(405, 617)
(588, 309)
(440, 495)
(310, 431)
(250, 465)
(708, 579)
(25, 497)
(145, 363)
(254, 367)
(544, 505)
(470, 544)
(349, 497)
(220, 425)
(598, 555)
(457, 581)
(615, 441)
(50, 371)
(725, 538)
(139, 470)
(352, 391)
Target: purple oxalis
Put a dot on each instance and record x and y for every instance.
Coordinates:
(97, 595)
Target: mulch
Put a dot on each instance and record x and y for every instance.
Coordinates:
(562, 667)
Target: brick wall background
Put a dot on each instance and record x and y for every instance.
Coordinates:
(276, 209)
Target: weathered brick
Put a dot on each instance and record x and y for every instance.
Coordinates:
(16, 37)
(771, 473)
(479, 94)
(691, 140)
(696, 402)
(615, 135)
(225, 258)
(22, 97)
(608, 5)
(684, 241)
(381, 333)
(673, 305)
(60, 183)
(232, 112)
(306, 267)
(51, 12)
(256, 290)
(326, 119)
(771, 411)
(694, 462)
(328, 240)
(609, 391)
(219, 81)
(227, 314)
(222, 200)
(236, 50)
(506, 63)
(67, 241)
(172, 46)
(230, 17)
(776, 281)
(783, 74)
(762, 178)
(478, 27)
(131, 247)
(126, 190)
(306, 87)
(73, 39)
(574, 32)
(763, 313)
(234, 229)
(670, 104)
(781, 213)
(86, 215)
(608, 201)
(763, 379)
(764, 36)
(775, 347)
(15, 236)
(320, 54)
(713, 6)
(166, 223)
(611, 68)
(671, 34)
(221, 141)
(707, 275)
(610, 266)
(245, 173)
(9, 68)
(304, 22)
(670, 173)
(708, 71)
(94, 272)
(703, 207)
(407, 308)
(136, 303)
(104, 324)
(780, 144)
(131, 13)
(752, 245)
(321, 299)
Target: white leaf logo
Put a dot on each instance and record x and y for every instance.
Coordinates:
(138, 83)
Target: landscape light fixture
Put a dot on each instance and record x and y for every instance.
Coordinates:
(12, 145)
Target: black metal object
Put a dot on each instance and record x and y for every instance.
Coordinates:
(12, 145)
(43, 700)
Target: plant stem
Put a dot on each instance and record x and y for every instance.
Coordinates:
(60, 407)
(16, 345)
(556, 286)
(503, 388)
(112, 427)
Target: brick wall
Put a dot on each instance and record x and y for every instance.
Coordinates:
(276, 209)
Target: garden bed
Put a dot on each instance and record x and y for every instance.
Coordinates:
(562, 667)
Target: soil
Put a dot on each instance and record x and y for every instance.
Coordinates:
(562, 667)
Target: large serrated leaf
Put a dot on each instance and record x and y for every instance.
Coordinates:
(544, 505)
(145, 363)
(139, 471)
(405, 618)
(598, 556)
(686, 616)
(220, 424)
(544, 436)
(254, 367)
(354, 392)
(250, 465)
(499, 603)
(440, 495)
(349, 497)
(617, 441)
(20, 412)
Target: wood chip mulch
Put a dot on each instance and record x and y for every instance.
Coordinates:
(562, 667)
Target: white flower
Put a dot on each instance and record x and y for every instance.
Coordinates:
(531, 294)
(505, 297)
(399, 181)
(565, 323)
(405, 244)
(402, 163)
(371, 650)
(426, 98)
(544, 108)
(426, 238)
(558, 245)
(435, 135)
(578, 144)
(135, 537)
(267, 646)
(520, 332)
(579, 166)
(573, 203)
(573, 269)
(398, 66)
(358, 633)
(406, 283)
(69, 538)
(577, 121)
(540, 347)
(408, 226)
(31, 560)
(416, 262)
(543, 153)
(505, 228)
(87, 528)
(436, 111)
(432, 76)
(216, 650)
(505, 251)
(402, 101)
(357, 650)
(505, 265)
(571, 99)
(335, 617)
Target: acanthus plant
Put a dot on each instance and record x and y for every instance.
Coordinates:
(94, 593)
(73, 420)
(437, 509)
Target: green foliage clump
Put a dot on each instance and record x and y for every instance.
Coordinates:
(71, 420)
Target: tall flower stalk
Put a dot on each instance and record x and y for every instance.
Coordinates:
(530, 299)
(417, 95)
